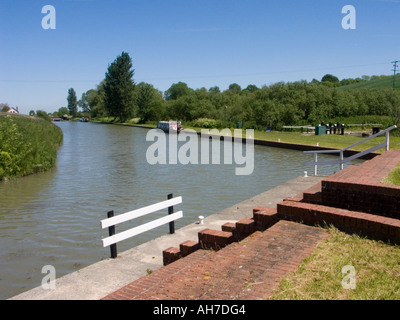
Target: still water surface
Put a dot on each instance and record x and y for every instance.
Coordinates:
(53, 218)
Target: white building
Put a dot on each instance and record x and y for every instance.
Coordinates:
(12, 110)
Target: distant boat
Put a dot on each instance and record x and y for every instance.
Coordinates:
(83, 119)
(170, 126)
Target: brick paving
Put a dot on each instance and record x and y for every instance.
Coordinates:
(370, 172)
(247, 270)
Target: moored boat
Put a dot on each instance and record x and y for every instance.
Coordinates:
(170, 126)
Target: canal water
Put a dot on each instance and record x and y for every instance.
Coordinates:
(53, 218)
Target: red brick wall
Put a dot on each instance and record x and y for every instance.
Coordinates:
(373, 226)
(376, 199)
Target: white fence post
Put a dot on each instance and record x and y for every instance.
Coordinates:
(111, 232)
(171, 211)
(315, 165)
(341, 160)
(112, 220)
(387, 140)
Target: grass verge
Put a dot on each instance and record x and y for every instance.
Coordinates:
(27, 145)
(295, 137)
(393, 177)
(320, 277)
(326, 140)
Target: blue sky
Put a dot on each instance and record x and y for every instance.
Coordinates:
(203, 43)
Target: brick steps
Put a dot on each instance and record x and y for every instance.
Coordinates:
(210, 239)
(353, 200)
(214, 239)
(313, 194)
(359, 188)
(248, 270)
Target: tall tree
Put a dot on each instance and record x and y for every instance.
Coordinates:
(234, 87)
(119, 88)
(176, 91)
(62, 111)
(83, 102)
(72, 102)
(330, 78)
(144, 101)
(4, 107)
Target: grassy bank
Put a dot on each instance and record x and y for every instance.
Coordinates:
(297, 137)
(326, 140)
(320, 277)
(393, 177)
(27, 145)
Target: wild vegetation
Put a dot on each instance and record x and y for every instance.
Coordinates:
(27, 144)
(277, 105)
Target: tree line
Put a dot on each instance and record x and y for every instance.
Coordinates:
(295, 103)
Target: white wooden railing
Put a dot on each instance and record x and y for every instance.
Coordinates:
(112, 220)
(341, 152)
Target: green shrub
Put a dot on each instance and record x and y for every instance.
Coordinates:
(27, 145)
(205, 123)
(43, 115)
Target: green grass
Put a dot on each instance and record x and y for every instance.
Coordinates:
(319, 277)
(27, 145)
(328, 141)
(296, 137)
(393, 178)
(385, 82)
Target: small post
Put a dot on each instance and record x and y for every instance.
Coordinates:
(341, 160)
(315, 165)
(387, 140)
(171, 211)
(111, 232)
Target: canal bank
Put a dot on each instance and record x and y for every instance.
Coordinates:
(272, 143)
(102, 278)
